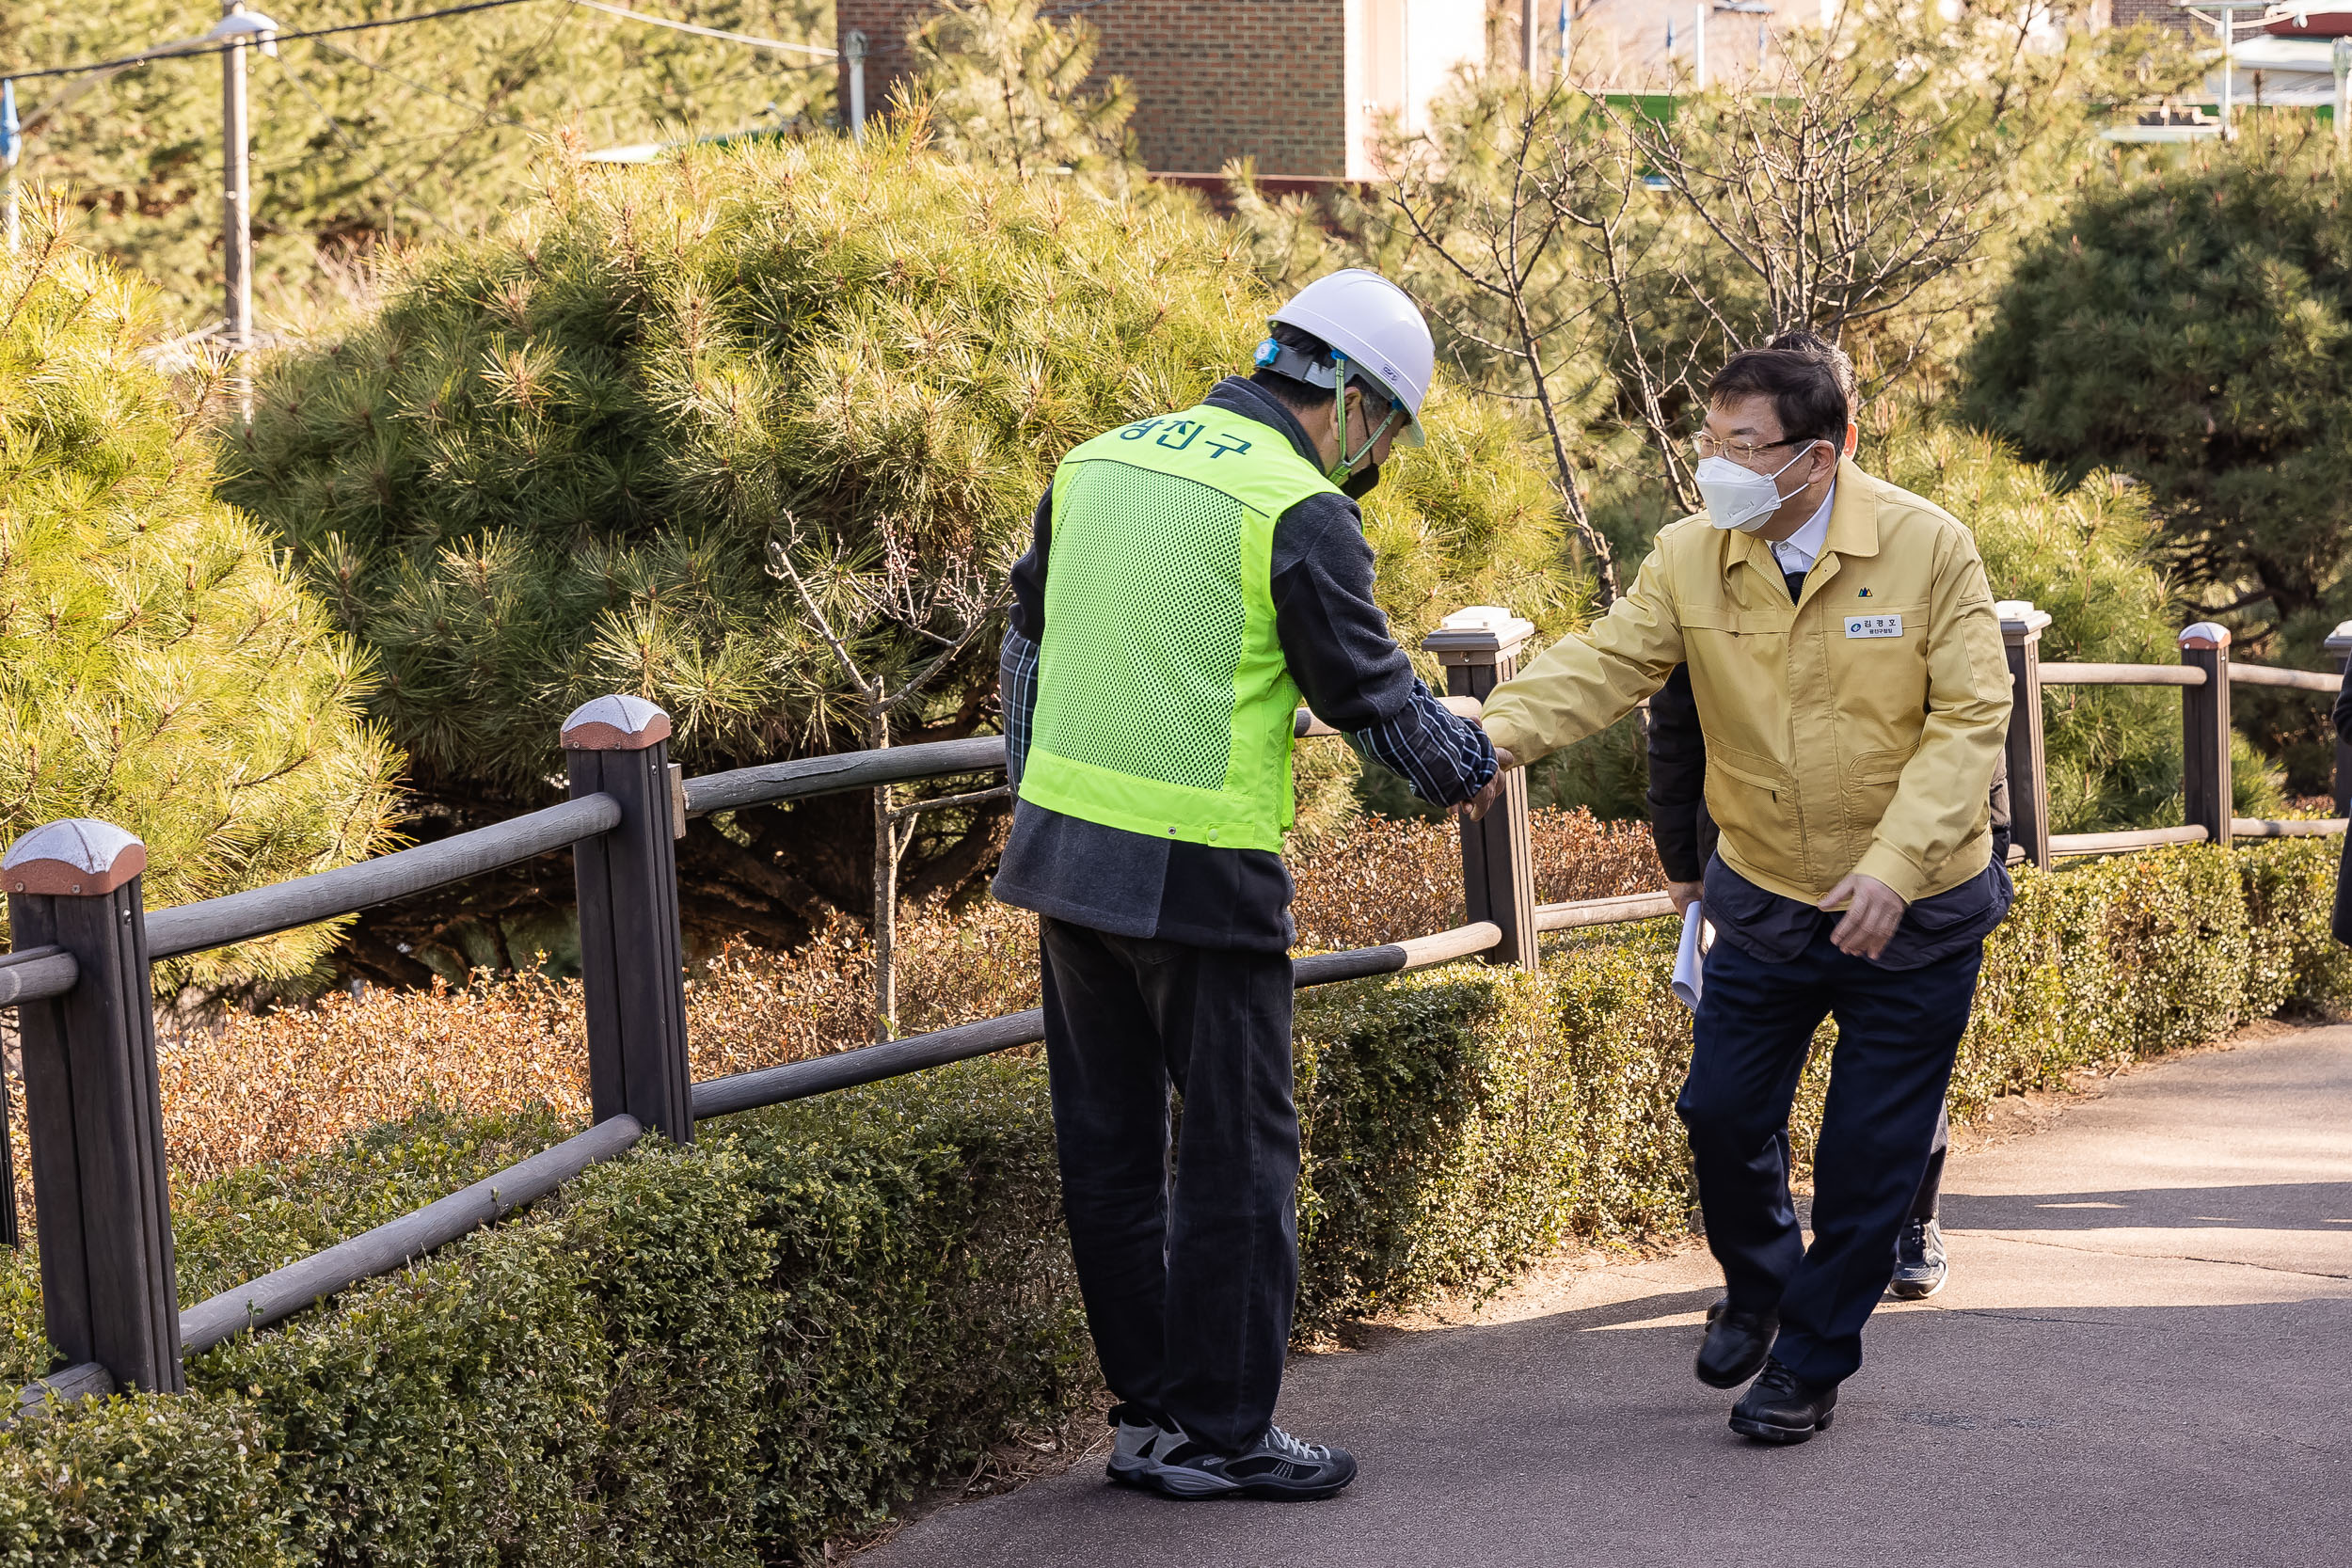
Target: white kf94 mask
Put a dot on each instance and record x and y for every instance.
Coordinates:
(1741, 498)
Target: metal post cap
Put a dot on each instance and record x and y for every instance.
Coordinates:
(2019, 616)
(616, 724)
(1479, 628)
(2205, 634)
(80, 857)
(2339, 640)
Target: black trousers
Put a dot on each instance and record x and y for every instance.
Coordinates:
(1898, 1032)
(1189, 1278)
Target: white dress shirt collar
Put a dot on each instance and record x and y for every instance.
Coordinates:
(1800, 549)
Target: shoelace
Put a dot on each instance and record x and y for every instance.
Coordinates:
(1778, 1379)
(1282, 1441)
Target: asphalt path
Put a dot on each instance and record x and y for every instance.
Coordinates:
(2143, 1360)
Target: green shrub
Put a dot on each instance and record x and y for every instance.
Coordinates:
(730, 1352)
(551, 464)
(719, 1354)
(160, 664)
(1461, 1123)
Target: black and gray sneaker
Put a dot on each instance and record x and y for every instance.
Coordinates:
(1920, 1265)
(1278, 1465)
(1138, 1439)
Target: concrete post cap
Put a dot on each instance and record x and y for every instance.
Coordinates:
(616, 724)
(2020, 618)
(2205, 635)
(1481, 629)
(80, 857)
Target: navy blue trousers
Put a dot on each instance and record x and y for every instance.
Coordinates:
(1898, 1031)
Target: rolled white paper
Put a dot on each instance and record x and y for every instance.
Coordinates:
(1697, 937)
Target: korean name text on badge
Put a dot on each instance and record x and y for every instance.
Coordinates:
(1874, 625)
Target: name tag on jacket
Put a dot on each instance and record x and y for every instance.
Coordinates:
(1874, 625)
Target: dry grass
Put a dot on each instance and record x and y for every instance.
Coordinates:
(291, 1083)
(1384, 881)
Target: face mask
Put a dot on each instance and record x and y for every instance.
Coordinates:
(1741, 498)
(1358, 484)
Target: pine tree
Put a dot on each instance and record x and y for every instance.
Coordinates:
(1596, 259)
(553, 463)
(161, 666)
(2191, 325)
(999, 84)
(2083, 554)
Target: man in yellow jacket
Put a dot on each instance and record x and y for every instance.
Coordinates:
(1852, 687)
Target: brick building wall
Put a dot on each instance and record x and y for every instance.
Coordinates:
(2164, 13)
(1214, 79)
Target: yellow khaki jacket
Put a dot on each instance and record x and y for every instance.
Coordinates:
(1854, 731)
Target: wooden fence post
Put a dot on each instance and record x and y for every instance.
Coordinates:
(631, 957)
(2205, 732)
(2340, 644)
(93, 1109)
(2028, 771)
(1479, 648)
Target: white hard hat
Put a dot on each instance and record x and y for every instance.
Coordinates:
(1379, 330)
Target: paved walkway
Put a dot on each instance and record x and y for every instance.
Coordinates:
(2144, 1360)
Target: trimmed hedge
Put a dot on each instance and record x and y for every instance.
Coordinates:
(1466, 1122)
(729, 1354)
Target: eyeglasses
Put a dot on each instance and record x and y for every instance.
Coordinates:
(1740, 452)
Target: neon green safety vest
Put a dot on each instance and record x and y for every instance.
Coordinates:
(1164, 702)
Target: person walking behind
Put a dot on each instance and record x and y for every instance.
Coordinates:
(1848, 669)
(2340, 925)
(1192, 576)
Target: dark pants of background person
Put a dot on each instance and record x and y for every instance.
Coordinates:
(1898, 1031)
(1188, 1283)
(1932, 1184)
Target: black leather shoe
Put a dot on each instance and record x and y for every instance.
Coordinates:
(1920, 1266)
(1737, 1343)
(1782, 1407)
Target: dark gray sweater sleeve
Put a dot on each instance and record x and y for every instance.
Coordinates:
(1351, 672)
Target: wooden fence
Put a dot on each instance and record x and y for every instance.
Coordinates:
(79, 977)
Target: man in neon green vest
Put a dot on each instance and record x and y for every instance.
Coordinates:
(1192, 576)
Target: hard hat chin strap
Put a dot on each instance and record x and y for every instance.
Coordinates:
(1341, 470)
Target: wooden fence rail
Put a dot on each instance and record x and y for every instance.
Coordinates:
(80, 980)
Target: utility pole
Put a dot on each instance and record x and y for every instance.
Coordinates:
(1529, 53)
(853, 54)
(1698, 44)
(237, 209)
(2342, 55)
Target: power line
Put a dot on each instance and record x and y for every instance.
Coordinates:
(205, 47)
(752, 39)
(454, 133)
(197, 47)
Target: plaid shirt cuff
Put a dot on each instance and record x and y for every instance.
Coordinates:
(1445, 759)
